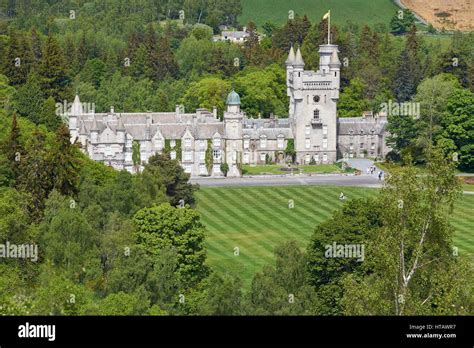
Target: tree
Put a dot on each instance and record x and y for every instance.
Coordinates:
(164, 226)
(172, 177)
(7, 93)
(136, 156)
(49, 116)
(29, 99)
(18, 59)
(414, 244)
(14, 151)
(401, 22)
(352, 102)
(355, 224)
(404, 83)
(65, 167)
(207, 93)
(224, 168)
(53, 76)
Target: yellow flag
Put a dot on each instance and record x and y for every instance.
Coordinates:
(327, 14)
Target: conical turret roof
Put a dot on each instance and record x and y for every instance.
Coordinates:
(94, 125)
(76, 108)
(299, 59)
(334, 61)
(291, 57)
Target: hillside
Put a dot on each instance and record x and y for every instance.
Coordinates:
(357, 11)
(448, 14)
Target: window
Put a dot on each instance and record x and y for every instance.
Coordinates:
(173, 155)
(217, 142)
(372, 146)
(351, 146)
(216, 154)
(325, 129)
(246, 143)
(202, 169)
(216, 169)
(187, 142)
(325, 157)
(316, 114)
(159, 144)
(246, 157)
(172, 143)
(263, 142)
(202, 156)
(262, 157)
(325, 143)
(188, 156)
(316, 157)
(202, 144)
(188, 168)
(307, 130)
(108, 150)
(361, 145)
(307, 158)
(307, 143)
(280, 142)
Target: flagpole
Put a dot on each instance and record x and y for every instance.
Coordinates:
(329, 27)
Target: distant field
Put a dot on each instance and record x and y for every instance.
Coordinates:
(256, 219)
(358, 11)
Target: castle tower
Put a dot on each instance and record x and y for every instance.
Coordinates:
(233, 134)
(73, 118)
(313, 106)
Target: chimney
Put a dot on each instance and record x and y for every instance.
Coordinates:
(214, 111)
(111, 109)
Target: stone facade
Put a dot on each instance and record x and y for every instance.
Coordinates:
(319, 136)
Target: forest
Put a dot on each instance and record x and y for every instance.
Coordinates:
(113, 243)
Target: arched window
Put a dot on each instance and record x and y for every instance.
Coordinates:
(316, 113)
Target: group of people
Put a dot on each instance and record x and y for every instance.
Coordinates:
(371, 170)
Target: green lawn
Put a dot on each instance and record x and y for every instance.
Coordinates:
(357, 11)
(276, 169)
(256, 219)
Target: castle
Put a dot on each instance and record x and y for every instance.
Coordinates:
(202, 142)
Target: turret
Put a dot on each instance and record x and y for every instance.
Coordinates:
(74, 114)
(289, 68)
(94, 131)
(325, 54)
(298, 69)
(83, 135)
(233, 102)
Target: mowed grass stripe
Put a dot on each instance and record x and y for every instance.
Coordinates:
(247, 244)
(258, 218)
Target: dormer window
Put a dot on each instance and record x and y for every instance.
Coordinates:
(216, 142)
(187, 142)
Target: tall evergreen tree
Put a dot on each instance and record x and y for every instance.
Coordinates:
(29, 99)
(18, 59)
(48, 115)
(53, 76)
(404, 84)
(64, 164)
(14, 151)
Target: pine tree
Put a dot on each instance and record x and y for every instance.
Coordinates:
(49, 115)
(82, 54)
(64, 165)
(18, 59)
(53, 76)
(404, 84)
(29, 99)
(36, 47)
(13, 150)
(167, 67)
(35, 177)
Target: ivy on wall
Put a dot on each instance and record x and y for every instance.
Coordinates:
(209, 157)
